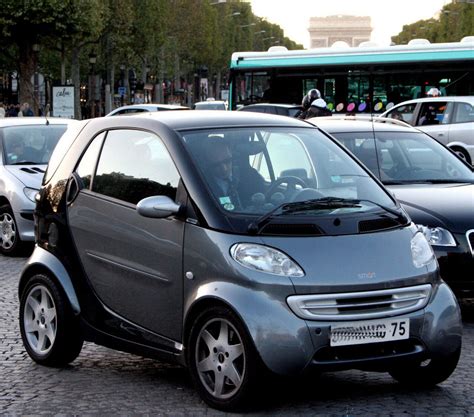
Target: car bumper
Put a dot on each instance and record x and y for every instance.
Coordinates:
(25, 223)
(456, 267)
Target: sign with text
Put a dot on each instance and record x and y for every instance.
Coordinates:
(63, 101)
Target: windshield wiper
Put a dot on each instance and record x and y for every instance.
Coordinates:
(316, 204)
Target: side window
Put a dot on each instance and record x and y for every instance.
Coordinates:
(404, 113)
(86, 166)
(464, 113)
(134, 165)
(432, 113)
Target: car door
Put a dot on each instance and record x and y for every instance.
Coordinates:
(433, 118)
(133, 263)
(461, 128)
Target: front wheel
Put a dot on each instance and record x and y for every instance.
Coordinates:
(222, 359)
(50, 331)
(427, 373)
(10, 242)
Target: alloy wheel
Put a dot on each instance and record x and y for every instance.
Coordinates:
(7, 231)
(40, 320)
(220, 358)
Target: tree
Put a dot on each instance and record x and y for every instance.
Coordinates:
(455, 21)
(28, 23)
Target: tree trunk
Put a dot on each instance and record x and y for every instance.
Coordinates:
(26, 73)
(76, 81)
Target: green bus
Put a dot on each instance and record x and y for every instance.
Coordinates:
(365, 78)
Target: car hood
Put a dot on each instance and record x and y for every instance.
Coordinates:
(30, 175)
(446, 205)
(360, 262)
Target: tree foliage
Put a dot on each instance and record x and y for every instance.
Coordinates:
(163, 36)
(455, 21)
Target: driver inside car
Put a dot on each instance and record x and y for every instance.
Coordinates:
(233, 181)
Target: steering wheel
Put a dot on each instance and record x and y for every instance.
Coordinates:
(291, 183)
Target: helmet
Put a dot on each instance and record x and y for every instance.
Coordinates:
(312, 95)
(319, 102)
(433, 92)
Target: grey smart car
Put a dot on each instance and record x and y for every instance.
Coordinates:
(231, 242)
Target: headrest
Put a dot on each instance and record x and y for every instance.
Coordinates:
(250, 148)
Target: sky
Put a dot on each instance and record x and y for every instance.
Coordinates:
(388, 17)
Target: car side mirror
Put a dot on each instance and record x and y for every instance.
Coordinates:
(158, 206)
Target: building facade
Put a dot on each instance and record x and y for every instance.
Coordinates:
(325, 31)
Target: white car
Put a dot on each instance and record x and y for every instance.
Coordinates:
(141, 108)
(26, 144)
(450, 120)
(210, 104)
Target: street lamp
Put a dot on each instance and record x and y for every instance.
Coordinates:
(246, 26)
(36, 48)
(92, 92)
(233, 14)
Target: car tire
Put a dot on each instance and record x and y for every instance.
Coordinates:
(462, 153)
(427, 373)
(50, 332)
(223, 361)
(10, 242)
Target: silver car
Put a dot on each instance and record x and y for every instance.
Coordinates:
(26, 144)
(142, 108)
(450, 120)
(237, 244)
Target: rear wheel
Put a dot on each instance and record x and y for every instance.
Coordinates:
(222, 360)
(10, 242)
(50, 331)
(427, 373)
(462, 153)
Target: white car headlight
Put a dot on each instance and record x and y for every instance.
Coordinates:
(265, 259)
(437, 236)
(30, 193)
(421, 250)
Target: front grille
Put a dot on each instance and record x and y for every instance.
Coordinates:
(470, 239)
(377, 224)
(360, 305)
(370, 351)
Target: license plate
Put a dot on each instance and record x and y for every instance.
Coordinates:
(373, 331)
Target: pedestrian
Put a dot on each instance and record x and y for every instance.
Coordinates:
(2, 111)
(27, 112)
(318, 108)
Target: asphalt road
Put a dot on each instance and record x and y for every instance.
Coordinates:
(110, 383)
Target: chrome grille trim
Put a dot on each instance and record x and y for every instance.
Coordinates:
(360, 305)
(470, 239)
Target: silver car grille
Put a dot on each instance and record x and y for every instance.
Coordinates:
(360, 305)
(470, 239)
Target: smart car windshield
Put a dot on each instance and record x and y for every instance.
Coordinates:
(32, 144)
(255, 170)
(406, 157)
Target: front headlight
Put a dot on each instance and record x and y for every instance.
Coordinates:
(437, 236)
(30, 193)
(265, 259)
(421, 251)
